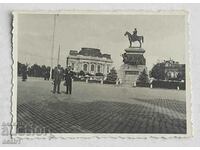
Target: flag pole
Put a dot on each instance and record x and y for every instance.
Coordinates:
(58, 55)
(52, 47)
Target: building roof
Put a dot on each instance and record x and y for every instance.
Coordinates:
(173, 64)
(73, 52)
(94, 52)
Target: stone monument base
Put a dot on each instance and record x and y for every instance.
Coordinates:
(130, 73)
(134, 64)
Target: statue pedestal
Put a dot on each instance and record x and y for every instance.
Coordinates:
(134, 64)
(134, 50)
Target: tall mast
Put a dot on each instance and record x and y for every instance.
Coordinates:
(58, 55)
(52, 47)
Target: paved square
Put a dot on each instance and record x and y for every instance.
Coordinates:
(96, 108)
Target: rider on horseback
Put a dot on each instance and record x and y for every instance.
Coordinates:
(135, 33)
(134, 37)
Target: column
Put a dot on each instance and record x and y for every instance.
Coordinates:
(89, 67)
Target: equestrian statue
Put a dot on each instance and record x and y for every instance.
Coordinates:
(134, 38)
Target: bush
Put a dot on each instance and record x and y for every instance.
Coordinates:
(89, 74)
(109, 82)
(141, 84)
(99, 74)
(79, 79)
(168, 84)
(81, 73)
(94, 81)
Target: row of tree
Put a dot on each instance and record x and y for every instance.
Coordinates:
(157, 72)
(34, 70)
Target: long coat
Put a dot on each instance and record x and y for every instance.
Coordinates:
(58, 75)
(68, 77)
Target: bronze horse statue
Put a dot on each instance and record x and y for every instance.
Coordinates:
(133, 38)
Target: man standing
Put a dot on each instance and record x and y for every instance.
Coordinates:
(58, 74)
(68, 80)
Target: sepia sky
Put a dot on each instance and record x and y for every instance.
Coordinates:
(164, 36)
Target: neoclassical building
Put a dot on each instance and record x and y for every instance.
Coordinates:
(173, 69)
(89, 60)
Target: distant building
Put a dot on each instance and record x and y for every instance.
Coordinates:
(174, 70)
(89, 60)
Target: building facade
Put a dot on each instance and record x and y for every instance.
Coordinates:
(174, 70)
(89, 60)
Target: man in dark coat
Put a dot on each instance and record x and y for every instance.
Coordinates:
(58, 75)
(68, 80)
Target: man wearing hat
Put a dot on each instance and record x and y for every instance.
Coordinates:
(58, 75)
(68, 80)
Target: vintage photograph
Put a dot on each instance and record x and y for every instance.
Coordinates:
(123, 73)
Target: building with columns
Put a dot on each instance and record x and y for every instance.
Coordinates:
(89, 60)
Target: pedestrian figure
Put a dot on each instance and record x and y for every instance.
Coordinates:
(46, 75)
(24, 73)
(58, 75)
(68, 80)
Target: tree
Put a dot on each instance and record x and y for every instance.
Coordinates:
(143, 77)
(81, 73)
(19, 68)
(158, 72)
(43, 70)
(37, 71)
(112, 75)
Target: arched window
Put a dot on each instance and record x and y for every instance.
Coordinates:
(85, 67)
(99, 69)
(92, 67)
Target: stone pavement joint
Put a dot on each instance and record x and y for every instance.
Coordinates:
(38, 108)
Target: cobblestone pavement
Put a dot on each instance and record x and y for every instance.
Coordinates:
(99, 108)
